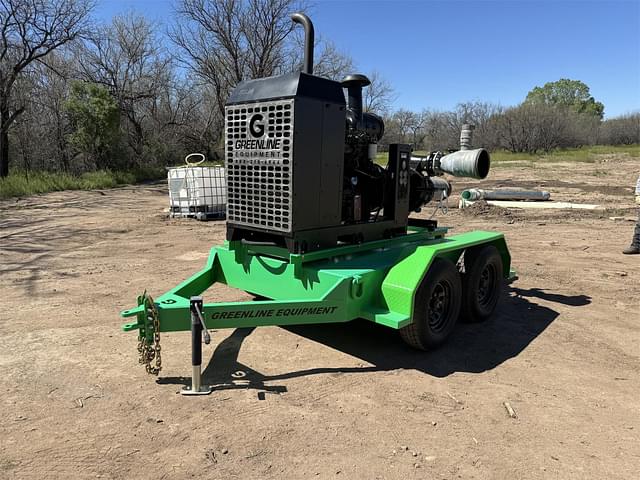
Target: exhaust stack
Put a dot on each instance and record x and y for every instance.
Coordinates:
(305, 21)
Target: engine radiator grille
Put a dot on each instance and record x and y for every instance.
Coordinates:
(258, 148)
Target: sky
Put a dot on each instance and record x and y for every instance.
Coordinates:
(437, 54)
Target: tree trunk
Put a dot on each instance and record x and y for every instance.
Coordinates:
(6, 119)
(62, 144)
(4, 152)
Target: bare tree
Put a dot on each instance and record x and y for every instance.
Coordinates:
(186, 118)
(435, 130)
(476, 112)
(378, 96)
(417, 128)
(532, 128)
(43, 91)
(127, 58)
(405, 120)
(329, 63)
(228, 41)
(622, 130)
(29, 31)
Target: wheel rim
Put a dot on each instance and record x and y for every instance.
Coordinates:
(487, 285)
(439, 306)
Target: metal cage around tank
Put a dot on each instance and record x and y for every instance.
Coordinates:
(197, 192)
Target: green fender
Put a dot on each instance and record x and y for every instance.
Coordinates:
(402, 280)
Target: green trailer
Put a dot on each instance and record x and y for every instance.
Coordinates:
(318, 232)
(419, 284)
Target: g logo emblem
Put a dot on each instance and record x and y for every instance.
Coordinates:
(256, 125)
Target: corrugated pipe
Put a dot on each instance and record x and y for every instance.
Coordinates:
(466, 136)
(465, 163)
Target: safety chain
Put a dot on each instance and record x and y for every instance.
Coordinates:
(148, 352)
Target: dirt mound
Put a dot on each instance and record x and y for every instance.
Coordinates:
(482, 208)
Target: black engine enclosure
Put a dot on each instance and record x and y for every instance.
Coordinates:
(297, 167)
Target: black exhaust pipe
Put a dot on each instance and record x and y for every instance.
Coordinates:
(305, 21)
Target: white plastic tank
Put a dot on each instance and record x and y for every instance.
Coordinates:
(197, 191)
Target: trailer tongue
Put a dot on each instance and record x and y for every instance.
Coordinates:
(319, 233)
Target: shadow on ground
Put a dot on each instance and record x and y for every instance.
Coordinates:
(472, 348)
(36, 230)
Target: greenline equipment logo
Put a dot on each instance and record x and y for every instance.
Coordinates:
(274, 312)
(256, 126)
(258, 146)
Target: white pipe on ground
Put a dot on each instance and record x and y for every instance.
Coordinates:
(530, 195)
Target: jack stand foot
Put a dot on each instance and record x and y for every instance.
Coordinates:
(196, 387)
(204, 390)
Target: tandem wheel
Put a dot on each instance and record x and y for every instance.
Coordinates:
(437, 307)
(482, 283)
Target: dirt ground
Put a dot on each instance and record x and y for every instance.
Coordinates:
(344, 401)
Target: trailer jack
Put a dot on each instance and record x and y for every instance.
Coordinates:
(198, 328)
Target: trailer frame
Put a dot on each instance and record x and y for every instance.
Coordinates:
(376, 281)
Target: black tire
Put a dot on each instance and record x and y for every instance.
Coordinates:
(481, 283)
(436, 308)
